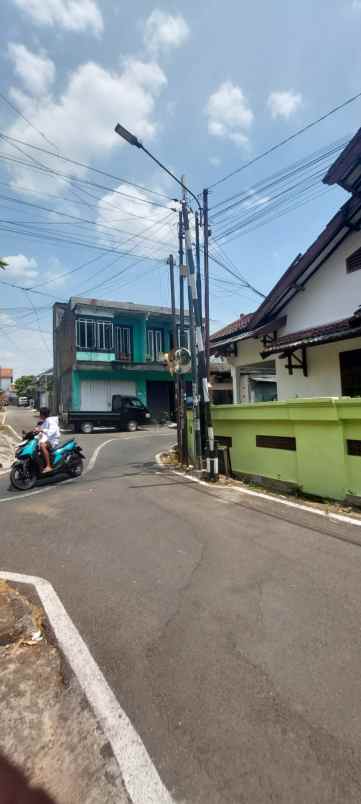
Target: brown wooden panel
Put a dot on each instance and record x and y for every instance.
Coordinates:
(354, 447)
(276, 442)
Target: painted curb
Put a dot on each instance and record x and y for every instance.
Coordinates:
(141, 779)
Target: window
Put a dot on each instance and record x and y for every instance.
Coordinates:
(135, 403)
(123, 341)
(353, 262)
(94, 335)
(350, 366)
(187, 338)
(155, 344)
(85, 334)
(105, 336)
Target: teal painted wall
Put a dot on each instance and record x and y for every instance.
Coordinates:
(320, 465)
(96, 357)
(138, 334)
(75, 390)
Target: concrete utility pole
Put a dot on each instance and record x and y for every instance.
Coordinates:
(206, 274)
(212, 460)
(193, 350)
(172, 296)
(175, 344)
(182, 412)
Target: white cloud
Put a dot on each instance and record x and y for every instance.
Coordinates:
(81, 122)
(215, 161)
(284, 104)
(229, 115)
(21, 267)
(165, 31)
(72, 15)
(5, 321)
(356, 5)
(36, 71)
(156, 227)
(256, 200)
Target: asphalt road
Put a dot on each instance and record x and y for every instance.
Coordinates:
(228, 627)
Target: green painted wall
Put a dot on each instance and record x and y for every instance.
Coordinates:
(320, 465)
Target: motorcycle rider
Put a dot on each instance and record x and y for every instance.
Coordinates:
(49, 429)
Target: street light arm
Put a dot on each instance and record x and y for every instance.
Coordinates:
(133, 140)
(181, 184)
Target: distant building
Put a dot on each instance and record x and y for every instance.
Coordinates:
(103, 348)
(42, 388)
(6, 378)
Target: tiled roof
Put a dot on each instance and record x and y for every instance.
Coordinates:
(6, 373)
(239, 325)
(345, 327)
(346, 169)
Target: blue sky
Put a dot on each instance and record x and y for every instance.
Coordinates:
(207, 87)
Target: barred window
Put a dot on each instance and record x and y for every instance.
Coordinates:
(94, 335)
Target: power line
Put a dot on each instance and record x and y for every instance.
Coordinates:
(291, 137)
(77, 163)
(281, 176)
(28, 296)
(78, 180)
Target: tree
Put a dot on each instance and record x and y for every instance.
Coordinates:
(3, 264)
(23, 383)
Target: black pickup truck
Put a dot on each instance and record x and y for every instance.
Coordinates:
(127, 413)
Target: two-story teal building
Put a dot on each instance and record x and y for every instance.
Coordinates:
(103, 348)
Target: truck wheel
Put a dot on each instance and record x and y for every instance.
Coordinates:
(86, 427)
(132, 426)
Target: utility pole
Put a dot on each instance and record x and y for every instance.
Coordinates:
(199, 295)
(172, 296)
(193, 344)
(174, 338)
(206, 275)
(182, 412)
(198, 263)
(212, 460)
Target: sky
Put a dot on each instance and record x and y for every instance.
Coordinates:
(206, 87)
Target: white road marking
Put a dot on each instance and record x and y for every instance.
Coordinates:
(14, 431)
(92, 459)
(21, 496)
(318, 511)
(140, 776)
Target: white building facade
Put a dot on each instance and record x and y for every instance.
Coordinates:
(306, 336)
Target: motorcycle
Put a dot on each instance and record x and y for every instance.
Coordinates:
(29, 461)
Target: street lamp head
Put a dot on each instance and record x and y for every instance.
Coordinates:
(127, 135)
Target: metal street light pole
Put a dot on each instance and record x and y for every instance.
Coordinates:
(212, 460)
(133, 140)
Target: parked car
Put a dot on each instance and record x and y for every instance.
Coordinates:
(23, 402)
(127, 413)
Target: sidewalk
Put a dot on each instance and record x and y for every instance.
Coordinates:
(48, 727)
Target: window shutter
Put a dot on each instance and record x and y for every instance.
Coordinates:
(353, 262)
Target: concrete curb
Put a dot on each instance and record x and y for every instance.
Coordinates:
(141, 779)
(333, 517)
